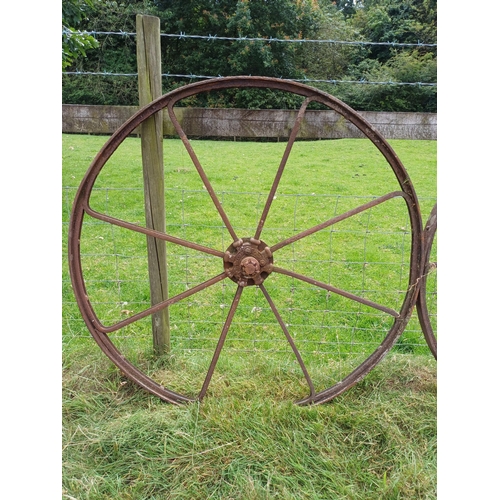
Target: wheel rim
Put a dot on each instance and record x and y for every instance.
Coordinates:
(429, 267)
(255, 266)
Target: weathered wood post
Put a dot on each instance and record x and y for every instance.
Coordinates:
(149, 76)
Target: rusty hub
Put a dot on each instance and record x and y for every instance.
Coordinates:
(248, 261)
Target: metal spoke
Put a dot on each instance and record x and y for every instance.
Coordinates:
(338, 218)
(200, 170)
(279, 173)
(221, 341)
(290, 341)
(159, 306)
(152, 232)
(338, 291)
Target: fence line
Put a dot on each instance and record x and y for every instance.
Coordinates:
(256, 39)
(302, 80)
(182, 36)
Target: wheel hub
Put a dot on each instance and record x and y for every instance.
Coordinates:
(248, 261)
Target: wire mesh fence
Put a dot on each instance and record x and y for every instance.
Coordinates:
(368, 256)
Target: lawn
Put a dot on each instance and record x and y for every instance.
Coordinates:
(247, 439)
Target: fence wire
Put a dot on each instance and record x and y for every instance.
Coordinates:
(300, 80)
(211, 38)
(182, 36)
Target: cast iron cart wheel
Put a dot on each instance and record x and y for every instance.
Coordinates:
(248, 260)
(422, 311)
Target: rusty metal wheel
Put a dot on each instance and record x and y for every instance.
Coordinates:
(249, 261)
(430, 267)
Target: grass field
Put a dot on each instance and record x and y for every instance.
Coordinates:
(247, 439)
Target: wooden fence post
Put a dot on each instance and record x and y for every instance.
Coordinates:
(149, 76)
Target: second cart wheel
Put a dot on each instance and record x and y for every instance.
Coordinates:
(380, 231)
(429, 269)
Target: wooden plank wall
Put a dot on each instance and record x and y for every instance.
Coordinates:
(257, 124)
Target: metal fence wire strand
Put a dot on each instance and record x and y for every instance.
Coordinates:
(210, 38)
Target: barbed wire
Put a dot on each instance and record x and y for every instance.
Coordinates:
(182, 35)
(300, 80)
(264, 39)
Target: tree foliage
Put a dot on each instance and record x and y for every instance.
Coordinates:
(389, 96)
(398, 21)
(330, 61)
(391, 21)
(74, 43)
(279, 19)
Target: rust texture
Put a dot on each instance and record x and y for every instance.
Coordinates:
(248, 261)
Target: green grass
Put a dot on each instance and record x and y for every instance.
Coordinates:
(247, 439)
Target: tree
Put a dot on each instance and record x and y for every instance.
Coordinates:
(406, 66)
(399, 21)
(115, 54)
(278, 19)
(241, 45)
(75, 43)
(248, 21)
(330, 61)
(346, 7)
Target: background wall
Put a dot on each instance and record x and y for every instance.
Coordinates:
(258, 124)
